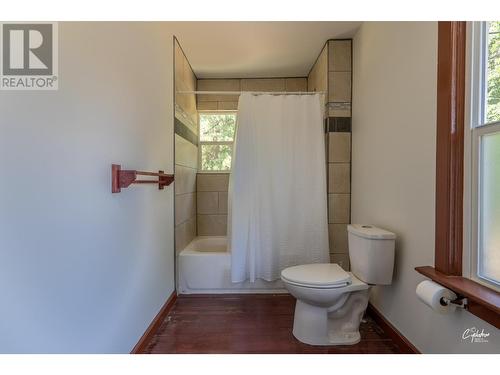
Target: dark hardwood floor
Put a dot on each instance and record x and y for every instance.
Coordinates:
(248, 324)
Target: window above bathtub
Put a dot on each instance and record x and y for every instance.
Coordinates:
(217, 130)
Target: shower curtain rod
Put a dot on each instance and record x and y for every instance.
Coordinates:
(252, 92)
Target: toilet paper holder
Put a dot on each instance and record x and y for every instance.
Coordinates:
(460, 302)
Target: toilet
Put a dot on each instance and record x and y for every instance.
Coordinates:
(330, 301)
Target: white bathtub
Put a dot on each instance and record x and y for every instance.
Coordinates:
(205, 267)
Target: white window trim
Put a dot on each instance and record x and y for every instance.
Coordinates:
(201, 143)
(475, 92)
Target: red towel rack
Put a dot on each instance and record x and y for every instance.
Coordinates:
(124, 178)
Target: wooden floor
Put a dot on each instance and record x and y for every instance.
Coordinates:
(248, 324)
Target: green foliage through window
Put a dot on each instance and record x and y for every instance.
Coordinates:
(216, 157)
(493, 88)
(217, 127)
(216, 140)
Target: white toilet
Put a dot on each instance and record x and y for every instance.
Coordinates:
(330, 301)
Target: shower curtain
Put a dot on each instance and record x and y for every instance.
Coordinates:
(277, 189)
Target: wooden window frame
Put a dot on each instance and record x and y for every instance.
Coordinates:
(484, 302)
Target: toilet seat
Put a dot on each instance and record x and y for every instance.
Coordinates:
(317, 276)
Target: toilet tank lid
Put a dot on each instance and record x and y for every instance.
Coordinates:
(370, 232)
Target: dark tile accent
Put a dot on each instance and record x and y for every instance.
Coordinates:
(339, 124)
(185, 132)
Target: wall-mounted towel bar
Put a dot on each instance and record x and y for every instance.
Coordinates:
(124, 178)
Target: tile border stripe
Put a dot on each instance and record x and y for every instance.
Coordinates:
(183, 131)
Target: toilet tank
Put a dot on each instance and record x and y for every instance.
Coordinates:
(371, 253)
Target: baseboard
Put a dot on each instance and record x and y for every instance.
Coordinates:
(155, 324)
(402, 342)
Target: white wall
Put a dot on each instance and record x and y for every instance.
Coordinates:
(81, 269)
(393, 173)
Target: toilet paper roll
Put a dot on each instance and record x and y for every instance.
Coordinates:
(431, 293)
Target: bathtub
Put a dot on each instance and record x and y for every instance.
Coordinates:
(205, 267)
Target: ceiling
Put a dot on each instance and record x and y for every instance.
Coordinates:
(256, 49)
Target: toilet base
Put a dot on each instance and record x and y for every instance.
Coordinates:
(316, 325)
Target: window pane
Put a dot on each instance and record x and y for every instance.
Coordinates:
(217, 127)
(489, 208)
(493, 73)
(216, 157)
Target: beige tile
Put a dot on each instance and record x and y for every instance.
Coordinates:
(189, 76)
(339, 86)
(207, 202)
(182, 106)
(339, 208)
(185, 179)
(184, 234)
(263, 84)
(296, 84)
(311, 81)
(223, 203)
(318, 77)
(180, 85)
(339, 112)
(339, 178)
(212, 225)
(180, 238)
(326, 149)
(186, 153)
(192, 228)
(227, 106)
(207, 106)
(179, 64)
(337, 234)
(186, 119)
(183, 71)
(212, 181)
(218, 85)
(194, 121)
(192, 111)
(185, 80)
(185, 207)
(339, 147)
(339, 56)
(341, 259)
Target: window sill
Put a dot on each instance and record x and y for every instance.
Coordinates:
(483, 301)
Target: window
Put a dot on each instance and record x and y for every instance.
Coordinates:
(460, 96)
(483, 168)
(216, 141)
(492, 72)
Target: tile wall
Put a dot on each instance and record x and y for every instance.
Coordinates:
(230, 102)
(212, 188)
(332, 73)
(212, 203)
(186, 152)
(201, 199)
(318, 76)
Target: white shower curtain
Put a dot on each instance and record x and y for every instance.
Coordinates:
(277, 190)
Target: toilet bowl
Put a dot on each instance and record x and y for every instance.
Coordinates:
(330, 301)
